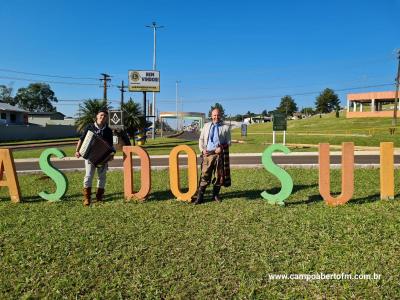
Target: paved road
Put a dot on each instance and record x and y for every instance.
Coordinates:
(245, 161)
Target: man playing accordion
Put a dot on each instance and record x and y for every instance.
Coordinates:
(101, 130)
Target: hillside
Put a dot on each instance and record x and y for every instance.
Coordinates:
(327, 129)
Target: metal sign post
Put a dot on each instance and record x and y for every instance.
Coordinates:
(279, 123)
(284, 137)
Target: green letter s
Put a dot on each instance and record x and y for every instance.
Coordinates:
(58, 177)
(283, 176)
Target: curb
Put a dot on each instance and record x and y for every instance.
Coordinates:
(253, 166)
(358, 153)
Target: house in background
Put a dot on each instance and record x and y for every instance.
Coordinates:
(49, 118)
(372, 104)
(17, 124)
(12, 115)
(257, 119)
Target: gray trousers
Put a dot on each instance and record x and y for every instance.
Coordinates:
(89, 174)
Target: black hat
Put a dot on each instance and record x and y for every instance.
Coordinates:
(103, 110)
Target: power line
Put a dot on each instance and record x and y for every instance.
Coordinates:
(47, 75)
(48, 81)
(280, 96)
(82, 100)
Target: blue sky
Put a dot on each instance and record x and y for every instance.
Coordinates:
(245, 55)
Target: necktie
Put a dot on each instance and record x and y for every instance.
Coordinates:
(212, 132)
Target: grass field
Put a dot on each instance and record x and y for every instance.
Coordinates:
(328, 129)
(168, 249)
(156, 147)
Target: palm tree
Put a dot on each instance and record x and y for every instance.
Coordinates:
(133, 118)
(87, 112)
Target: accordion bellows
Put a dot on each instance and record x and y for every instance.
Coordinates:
(95, 149)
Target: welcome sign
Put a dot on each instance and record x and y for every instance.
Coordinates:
(9, 179)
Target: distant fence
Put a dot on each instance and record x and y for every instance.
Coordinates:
(32, 132)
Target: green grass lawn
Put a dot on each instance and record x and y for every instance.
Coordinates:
(37, 141)
(154, 147)
(314, 130)
(328, 129)
(163, 248)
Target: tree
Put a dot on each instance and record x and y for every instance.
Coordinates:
(238, 118)
(327, 101)
(308, 111)
(264, 113)
(37, 97)
(87, 112)
(249, 114)
(221, 109)
(6, 94)
(133, 117)
(287, 106)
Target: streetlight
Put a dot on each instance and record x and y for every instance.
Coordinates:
(153, 108)
(176, 98)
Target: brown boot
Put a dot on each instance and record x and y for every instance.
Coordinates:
(87, 194)
(215, 195)
(200, 195)
(99, 194)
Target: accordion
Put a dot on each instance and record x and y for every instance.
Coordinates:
(95, 149)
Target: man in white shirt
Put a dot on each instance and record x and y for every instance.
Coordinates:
(214, 138)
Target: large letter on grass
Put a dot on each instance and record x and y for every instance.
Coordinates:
(174, 172)
(283, 176)
(347, 174)
(58, 177)
(145, 174)
(387, 171)
(7, 167)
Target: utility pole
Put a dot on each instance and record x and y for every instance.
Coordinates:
(154, 27)
(105, 78)
(122, 89)
(396, 97)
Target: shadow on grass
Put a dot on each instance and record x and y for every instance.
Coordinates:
(166, 195)
(161, 195)
(369, 199)
(357, 201)
(256, 194)
(311, 199)
(38, 199)
(153, 196)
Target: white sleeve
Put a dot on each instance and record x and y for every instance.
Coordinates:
(201, 146)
